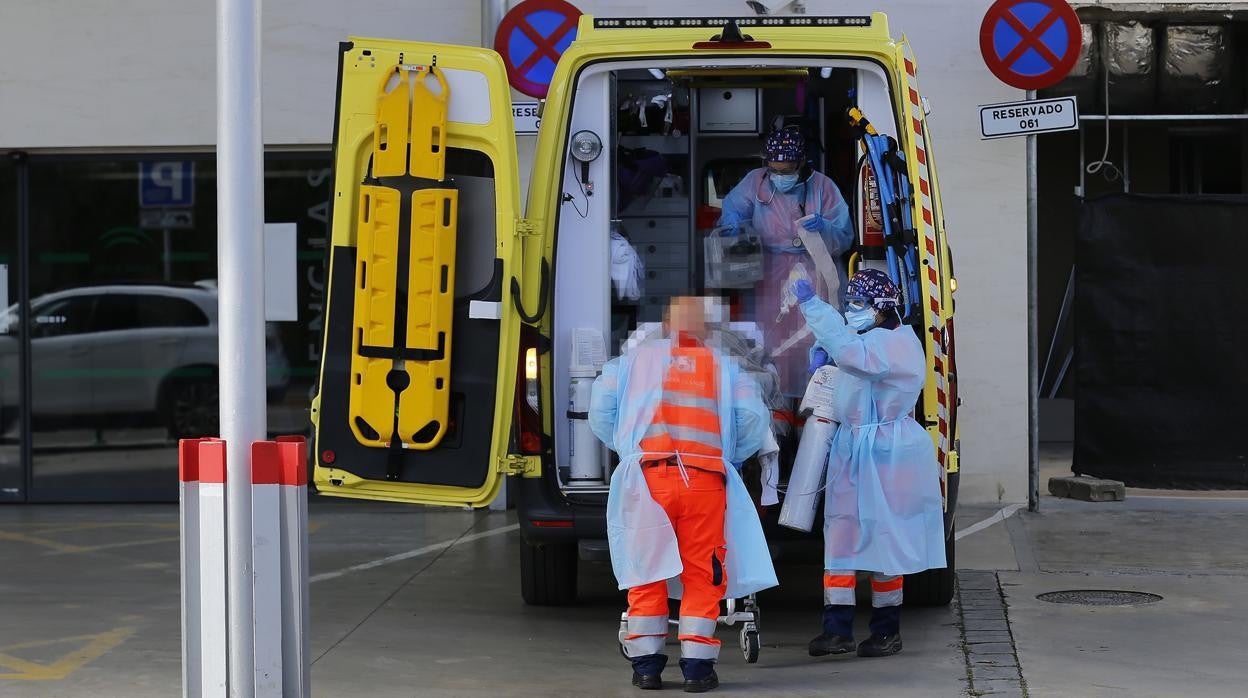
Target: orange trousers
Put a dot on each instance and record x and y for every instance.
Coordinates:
(696, 510)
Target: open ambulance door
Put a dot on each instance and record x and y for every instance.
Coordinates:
(419, 360)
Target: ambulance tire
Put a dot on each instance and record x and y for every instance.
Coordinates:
(932, 587)
(548, 574)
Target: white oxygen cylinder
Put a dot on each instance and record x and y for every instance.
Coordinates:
(584, 452)
(810, 467)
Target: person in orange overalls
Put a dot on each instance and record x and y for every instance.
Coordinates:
(674, 394)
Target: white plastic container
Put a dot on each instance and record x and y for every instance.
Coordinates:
(810, 467)
(584, 452)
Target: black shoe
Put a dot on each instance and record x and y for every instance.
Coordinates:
(831, 644)
(648, 682)
(702, 685)
(880, 646)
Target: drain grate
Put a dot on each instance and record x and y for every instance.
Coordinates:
(1100, 597)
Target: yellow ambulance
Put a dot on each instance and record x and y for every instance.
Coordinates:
(462, 329)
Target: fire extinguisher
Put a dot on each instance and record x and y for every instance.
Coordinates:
(870, 218)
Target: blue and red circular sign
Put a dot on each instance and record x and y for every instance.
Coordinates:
(531, 38)
(1030, 44)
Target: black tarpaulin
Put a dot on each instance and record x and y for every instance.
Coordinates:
(1161, 341)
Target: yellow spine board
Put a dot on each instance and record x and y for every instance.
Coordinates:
(401, 365)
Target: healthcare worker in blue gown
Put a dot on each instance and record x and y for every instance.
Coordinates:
(770, 199)
(883, 509)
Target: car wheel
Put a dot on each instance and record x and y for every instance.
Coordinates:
(548, 574)
(192, 409)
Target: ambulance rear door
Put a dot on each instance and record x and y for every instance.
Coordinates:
(421, 331)
(932, 270)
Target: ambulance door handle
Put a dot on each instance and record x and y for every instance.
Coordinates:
(543, 297)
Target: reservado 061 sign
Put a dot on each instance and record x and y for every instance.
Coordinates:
(1032, 116)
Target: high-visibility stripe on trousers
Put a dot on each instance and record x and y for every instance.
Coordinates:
(696, 511)
(838, 588)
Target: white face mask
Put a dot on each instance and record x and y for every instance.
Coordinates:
(862, 319)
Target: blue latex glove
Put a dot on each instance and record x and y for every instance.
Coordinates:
(803, 290)
(729, 231)
(818, 359)
(815, 223)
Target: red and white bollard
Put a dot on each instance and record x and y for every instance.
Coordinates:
(202, 512)
(279, 560)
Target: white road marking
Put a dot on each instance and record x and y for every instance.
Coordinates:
(436, 547)
(1001, 515)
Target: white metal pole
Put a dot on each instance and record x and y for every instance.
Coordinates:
(492, 12)
(240, 273)
(1033, 332)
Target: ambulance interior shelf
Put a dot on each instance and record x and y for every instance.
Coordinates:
(681, 140)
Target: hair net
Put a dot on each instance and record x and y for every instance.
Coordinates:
(785, 146)
(874, 284)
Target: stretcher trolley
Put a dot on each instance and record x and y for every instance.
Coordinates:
(742, 611)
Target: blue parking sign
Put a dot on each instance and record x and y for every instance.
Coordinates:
(166, 183)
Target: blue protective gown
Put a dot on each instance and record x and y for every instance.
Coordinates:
(883, 509)
(755, 201)
(642, 541)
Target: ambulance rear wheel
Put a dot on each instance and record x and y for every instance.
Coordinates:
(932, 587)
(548, 574)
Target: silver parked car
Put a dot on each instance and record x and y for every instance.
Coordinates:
(100, 353)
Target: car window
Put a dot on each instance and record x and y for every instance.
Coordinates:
(167, 311)
(62, 317)
(116, 311)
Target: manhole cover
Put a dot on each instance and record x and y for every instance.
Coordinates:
(1099, 597)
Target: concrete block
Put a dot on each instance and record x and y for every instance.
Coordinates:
(1005, 661)
(1087, 489)
(998, 689)
(981, 624)
(981, 673)
(991, 648)
(979, 637)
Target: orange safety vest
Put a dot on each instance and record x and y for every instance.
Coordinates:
(687, 418)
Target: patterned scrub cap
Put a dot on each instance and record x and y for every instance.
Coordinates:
(874, 284)
(785, 146)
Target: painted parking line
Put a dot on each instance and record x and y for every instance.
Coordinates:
(436, 547)
(44, 542)
(114, 546)
(1002, 514)
(86, 649)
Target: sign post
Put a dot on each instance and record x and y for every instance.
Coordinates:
(1030, 45)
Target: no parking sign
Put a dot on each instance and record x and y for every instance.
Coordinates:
(1030, 44)
(531, 38)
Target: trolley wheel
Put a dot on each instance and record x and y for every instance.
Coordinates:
(623, 633)
(750, 645)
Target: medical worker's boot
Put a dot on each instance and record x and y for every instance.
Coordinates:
(838, 632)
(700, 675)
(885, 637)
(648, 670)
